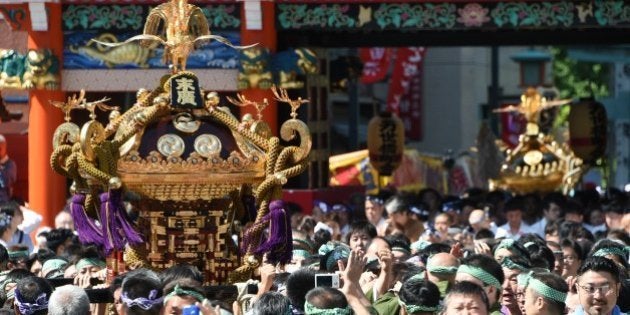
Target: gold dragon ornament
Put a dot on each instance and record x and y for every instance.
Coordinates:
(192, 163)
(537, 163)
(179, 27)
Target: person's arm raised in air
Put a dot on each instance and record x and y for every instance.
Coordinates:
(351, 288)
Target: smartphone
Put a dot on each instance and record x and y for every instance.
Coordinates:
(191, 310)
(252, 289)
(327, 280)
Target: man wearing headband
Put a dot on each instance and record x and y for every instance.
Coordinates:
(441, 270)
(374, 208)
(613, 251)
(326, 301)
(141, 293)
(31, 296)
(180, 294)
(405, 217)
(512, 268)
(88, 268)
(69, 299)
(419, 297)
(330, 253)
(466, 298)
(18, 257)
(508, 248)
(53, 268)
(546, 294)
(598, 287)
(486, 273)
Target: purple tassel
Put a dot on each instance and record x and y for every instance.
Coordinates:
(88, 231)
(279, 245)
(116, 227)
(247, 237)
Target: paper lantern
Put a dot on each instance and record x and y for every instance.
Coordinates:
(587, 129)
(386, 142)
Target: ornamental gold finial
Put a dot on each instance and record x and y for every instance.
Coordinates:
(532, 103)
(73, 102)
(91, 106)
(283, 96)
(242, 101)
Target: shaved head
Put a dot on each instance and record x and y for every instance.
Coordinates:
(441, 269)
(476, 216)
(444, 259)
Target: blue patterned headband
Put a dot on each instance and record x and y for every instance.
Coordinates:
(142, 302)
(41, 303)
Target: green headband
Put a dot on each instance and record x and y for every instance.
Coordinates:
(602, 252)
(508, 263)
(480, 274)
(419, 245)
(13, 255)
(89, 262)
(410, 308)
(418, 276)
(309, 309)
(449, 270)
(53, 264)
(178, 291)
(547, 291)
(523, 278)
(301, 253)
(507, 243)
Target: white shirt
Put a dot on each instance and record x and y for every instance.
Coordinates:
(25, 241)
(31, 221)
(595, 228)
(504, 231)
(539, 227)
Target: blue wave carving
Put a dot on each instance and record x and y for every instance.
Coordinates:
(210, 56)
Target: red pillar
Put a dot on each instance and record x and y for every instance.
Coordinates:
(47, 190)
(266, 37)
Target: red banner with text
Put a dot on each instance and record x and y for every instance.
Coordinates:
(375, 63)
(405, 90)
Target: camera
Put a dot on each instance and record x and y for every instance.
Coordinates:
(327, 280)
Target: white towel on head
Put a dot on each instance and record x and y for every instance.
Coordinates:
(323, 226)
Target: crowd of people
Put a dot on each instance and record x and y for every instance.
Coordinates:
(391, 253)
(403, 253)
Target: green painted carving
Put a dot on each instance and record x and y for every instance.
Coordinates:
(298, 16)
(611, 12)
(519, 14)
(38, 69)
(12, 67)
(222, 16)
(106, 17)
(416, 16)
(42, 70)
